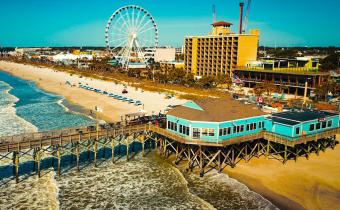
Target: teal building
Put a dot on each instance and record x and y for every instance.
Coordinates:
(218, 120)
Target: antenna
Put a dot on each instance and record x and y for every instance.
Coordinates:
(246, 16)
(213, 13)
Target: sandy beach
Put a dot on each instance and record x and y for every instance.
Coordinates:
(55, 82)
(305, 184)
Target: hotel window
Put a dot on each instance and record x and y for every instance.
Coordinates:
(297, 130)
(329, 123)
(318, 125)
(324, 124)
(311, 127)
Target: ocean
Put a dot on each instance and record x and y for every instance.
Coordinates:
(142, 183)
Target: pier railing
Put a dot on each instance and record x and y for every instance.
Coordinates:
(66, 136)
(62, 137)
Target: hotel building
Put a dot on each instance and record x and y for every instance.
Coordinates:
(219, 52)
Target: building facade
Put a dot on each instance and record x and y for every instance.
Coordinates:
(219, 52)
(205, 121)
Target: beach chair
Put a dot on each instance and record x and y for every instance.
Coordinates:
(283, 96)
(276, 95)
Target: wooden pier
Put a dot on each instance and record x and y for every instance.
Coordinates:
(196, 153)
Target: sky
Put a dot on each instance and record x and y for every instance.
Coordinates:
(82, 22)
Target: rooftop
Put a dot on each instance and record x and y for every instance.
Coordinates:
(296, 117)
(215, 110)
(222, 23)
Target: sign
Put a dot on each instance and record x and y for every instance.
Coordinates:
(322, 119)
(259, 100)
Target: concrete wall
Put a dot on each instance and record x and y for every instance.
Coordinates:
(165, 54)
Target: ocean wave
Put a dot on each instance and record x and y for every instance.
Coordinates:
(226, 192)
(32, 193)
(10, 123)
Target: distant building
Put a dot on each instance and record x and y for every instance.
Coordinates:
(219, 52)
(180, 50)
(288, 64)
(169, 66)
(165, 54)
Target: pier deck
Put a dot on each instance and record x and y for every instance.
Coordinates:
(199, 153)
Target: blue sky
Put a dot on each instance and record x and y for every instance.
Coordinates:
(82, 22)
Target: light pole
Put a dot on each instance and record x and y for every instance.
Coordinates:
(306, 89)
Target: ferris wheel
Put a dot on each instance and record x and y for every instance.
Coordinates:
(131, 36)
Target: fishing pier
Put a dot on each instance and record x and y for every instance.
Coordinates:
(196, 153)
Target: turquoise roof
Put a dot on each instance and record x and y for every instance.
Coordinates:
(193, 105)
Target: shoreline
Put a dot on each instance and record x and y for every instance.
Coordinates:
(286, 186)
(66, 85)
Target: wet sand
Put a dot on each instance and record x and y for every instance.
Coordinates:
(310, 184)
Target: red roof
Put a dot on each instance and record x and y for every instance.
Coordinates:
(222, 23)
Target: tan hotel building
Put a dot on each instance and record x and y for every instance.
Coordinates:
(219, 52)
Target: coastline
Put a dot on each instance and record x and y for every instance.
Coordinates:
(307, 184)
(54, 82)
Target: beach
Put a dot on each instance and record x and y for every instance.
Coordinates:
(66, 85)
(305, 184)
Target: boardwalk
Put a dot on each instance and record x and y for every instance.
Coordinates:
(199, 153)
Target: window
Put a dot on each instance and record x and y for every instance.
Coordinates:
(169, 125)
(324, 124)
(318, 125)
(184, 130)
(234, 129)
(242, 128)
(329, 123)
(205, 131)
(261, 124)
(224, 131)
(252, 126)
(211, 132)
(297, 130)
(311, 127)
(196, 133)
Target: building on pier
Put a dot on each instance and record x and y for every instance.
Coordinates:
(219, 120)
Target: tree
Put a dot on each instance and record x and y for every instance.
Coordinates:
(207, 82)
(331, 62)
(269, 87)
(328, 87)
(259, 89)
(224, 81)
